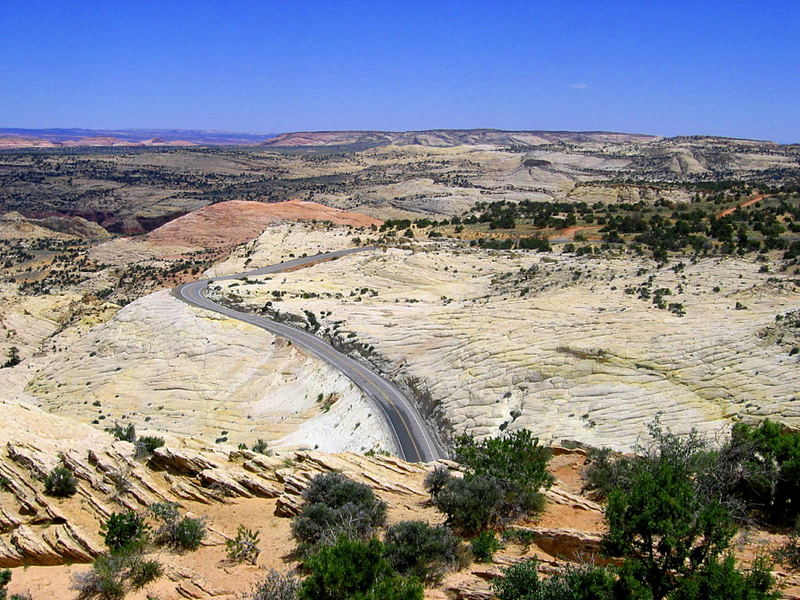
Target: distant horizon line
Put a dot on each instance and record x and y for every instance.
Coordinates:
(74, 130)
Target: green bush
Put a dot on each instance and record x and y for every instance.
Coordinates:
(183, 534)
(244, 547)
(661, 522)
(60, 482)
(771, 472)
(261, 447)
(105, 581)
(354, 569)
(143, 572)
(436, 480)
(335, 490)
(671, 521)
(519, 581)
(510, 470)
(112, 576)
(122, 530)
(147, 444)
(424, 551)
(721, 580)
(13, 358)
(469, 503)
(336, 506)
(582, 582)
(125, 434)
(394, 588)
(189, 534)
(484, 545)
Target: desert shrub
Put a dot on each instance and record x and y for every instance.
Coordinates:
(336, 490)
(244, 547)
(112, 576)
(469, 503)
(660, 522)
(516, 463)
(125, 434)
(5, 579)
(189, 534)
(504, 479)
(771, 470)
(519, 581)
(183, 534)
(122, 530)
(789, 552)
(424, 551)
(147, 444)
(336, 506)
(394, 588)
(436, 480)
(717, 473)
(523, 537)
(121, 481)
(165, 512)
(277, 586)
(484, 545)
(60, 482)
(355, 569)
(105, 581)
(670, 522)
(142, 572)
(605, 472)
(721, 580)
(261, 447)
(582, 582)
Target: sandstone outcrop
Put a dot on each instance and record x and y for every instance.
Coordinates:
(559, 344)
(163, 365)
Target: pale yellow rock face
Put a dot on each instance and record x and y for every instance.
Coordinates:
(31, 324)
(561, 350)
(284, 241)
(166, 366)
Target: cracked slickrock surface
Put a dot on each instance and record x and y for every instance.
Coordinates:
(164, 365)
(554, 343)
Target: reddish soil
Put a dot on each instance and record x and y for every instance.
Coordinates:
(753, 200)
(567, 234)
(239, 221)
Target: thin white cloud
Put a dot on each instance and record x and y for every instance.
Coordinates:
(578, 86)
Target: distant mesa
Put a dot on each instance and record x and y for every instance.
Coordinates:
(448, 137)
(11, 138)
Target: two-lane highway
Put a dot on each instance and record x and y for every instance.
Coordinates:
(411, 435)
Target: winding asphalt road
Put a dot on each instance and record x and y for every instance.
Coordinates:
(410, 433)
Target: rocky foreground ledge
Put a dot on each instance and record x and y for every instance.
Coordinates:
(54, 538)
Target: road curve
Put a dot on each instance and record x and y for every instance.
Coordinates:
(410, 433)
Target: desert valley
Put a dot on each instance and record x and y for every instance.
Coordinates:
(578, 286)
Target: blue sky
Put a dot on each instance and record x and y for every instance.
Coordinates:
(671, 68)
